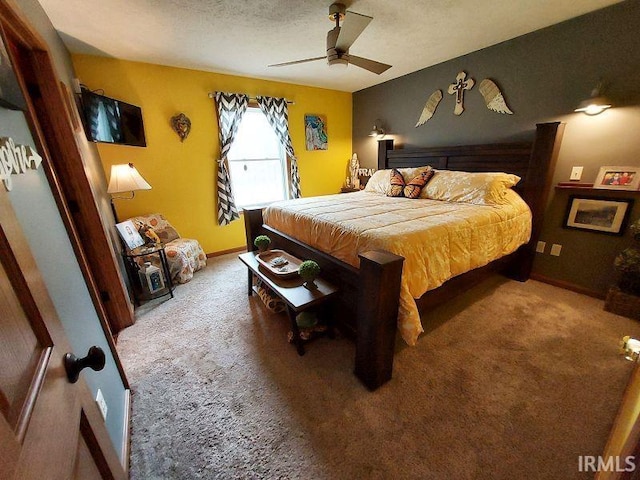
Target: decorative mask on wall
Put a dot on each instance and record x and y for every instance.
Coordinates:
(181, 125)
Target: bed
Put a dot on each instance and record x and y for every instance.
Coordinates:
(369, 270)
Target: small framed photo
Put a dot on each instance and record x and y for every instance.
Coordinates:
(129, 234)
(618, 178)
(597, 214)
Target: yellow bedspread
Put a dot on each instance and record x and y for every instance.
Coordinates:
(438, 239)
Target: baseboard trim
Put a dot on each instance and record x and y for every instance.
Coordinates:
(567, 286)
(126, 432)
(224, 252)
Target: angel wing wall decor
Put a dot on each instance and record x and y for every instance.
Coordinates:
(430, 107)
(493, 97)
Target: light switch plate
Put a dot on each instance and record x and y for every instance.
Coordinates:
(576, 173)
(541, 246)
(102, 404)
(555, 250)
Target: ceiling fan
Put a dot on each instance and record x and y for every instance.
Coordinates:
(340, 39)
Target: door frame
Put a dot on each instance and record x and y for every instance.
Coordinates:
(50, 115)
(56, 115)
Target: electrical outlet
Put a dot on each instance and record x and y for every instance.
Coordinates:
(541, 246)
(102, 404)
(576, 173)
(555, 250)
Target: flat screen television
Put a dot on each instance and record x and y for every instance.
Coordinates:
(112, 121)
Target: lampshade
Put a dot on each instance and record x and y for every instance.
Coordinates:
(595, 104)
(125, 178)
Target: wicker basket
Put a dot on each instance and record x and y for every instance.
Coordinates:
(622, 303)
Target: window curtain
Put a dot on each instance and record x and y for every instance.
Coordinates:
(230, 108)
(277, 113)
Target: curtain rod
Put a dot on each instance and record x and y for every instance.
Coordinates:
(290, 102)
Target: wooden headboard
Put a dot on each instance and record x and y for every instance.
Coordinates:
(534, 162)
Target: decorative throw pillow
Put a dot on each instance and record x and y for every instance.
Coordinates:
(167, 234)
(148, 234)
(379, 182)
(480, 188)
(415, 185)
(397, 184)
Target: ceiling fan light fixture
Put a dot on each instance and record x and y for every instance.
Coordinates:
(339, 63)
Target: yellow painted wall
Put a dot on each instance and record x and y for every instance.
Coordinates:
(183, 175)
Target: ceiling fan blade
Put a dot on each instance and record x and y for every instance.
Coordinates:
(352, 27)
(372, 66)
(297, 61)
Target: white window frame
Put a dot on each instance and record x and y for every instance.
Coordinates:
(282, 160)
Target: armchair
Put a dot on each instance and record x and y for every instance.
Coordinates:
(184, 255)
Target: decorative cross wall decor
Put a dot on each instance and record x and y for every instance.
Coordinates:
(458, 89)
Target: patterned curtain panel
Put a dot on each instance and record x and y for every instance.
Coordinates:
(277, 113)
(230, 108)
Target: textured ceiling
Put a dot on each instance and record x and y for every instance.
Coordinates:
(242, 37)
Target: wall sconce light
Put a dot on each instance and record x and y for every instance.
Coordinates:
(377, 130)
(595, 104)
(125, 178)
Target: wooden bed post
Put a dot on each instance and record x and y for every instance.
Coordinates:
(383, 146)
(377, 318)
(544, 154)
(252, 226)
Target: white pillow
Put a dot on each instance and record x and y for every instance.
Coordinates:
(379, 182)
(480, 188)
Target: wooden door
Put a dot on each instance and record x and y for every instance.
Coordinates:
(49, 428)
(623, 447)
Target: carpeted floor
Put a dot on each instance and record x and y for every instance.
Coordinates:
(511, 380)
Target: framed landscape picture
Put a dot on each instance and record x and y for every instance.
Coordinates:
(618, 178)
(603, 215)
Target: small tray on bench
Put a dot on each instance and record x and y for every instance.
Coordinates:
(279, 263)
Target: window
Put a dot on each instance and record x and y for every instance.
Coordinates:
(257, 162)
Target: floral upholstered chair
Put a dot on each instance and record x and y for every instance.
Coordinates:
(184, 255)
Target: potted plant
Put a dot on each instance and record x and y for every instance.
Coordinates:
(309, 270)
(628, 263)
(262, 242)
(624, 297)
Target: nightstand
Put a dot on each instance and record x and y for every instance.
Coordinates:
(148, 272)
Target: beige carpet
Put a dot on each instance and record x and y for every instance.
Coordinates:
(510, 380)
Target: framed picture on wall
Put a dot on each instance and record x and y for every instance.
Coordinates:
(597, 214)
(618, 178)
(315, 132)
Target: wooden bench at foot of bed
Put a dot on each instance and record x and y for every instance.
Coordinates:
(368, 301)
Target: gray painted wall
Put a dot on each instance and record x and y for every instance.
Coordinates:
(543, 76)
(52, 248)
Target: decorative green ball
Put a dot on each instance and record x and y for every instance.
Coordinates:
(262, 242)
(309, 270)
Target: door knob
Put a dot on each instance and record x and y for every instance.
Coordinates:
(630, 348)
(74, 365)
